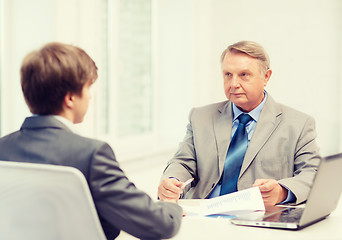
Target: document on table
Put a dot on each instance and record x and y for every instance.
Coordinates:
(237, 203)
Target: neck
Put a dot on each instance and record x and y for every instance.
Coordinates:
(67, 115)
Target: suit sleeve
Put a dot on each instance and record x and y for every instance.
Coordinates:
(183, 165)
(306, 160)
(122, 206)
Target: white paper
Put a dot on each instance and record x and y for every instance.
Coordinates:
(236, 203)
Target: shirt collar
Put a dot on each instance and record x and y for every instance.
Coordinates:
(66, 122)
(255, 113)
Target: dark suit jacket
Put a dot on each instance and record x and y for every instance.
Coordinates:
(283, 147)
(120, 205)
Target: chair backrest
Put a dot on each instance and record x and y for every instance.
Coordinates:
(46, 202)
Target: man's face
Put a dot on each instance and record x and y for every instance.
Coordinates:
(244, 81)
(82, 103)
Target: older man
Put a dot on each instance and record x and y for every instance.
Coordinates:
(248, 140)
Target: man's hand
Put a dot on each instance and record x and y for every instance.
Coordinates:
(169, 190)
(271, 192)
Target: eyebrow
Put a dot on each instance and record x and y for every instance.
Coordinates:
(243, 70)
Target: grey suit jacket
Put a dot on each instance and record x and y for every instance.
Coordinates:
(120, 205)
(283, 147)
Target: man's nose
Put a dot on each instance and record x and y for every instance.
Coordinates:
(235, 81)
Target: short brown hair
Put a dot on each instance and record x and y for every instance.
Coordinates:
(49, 73)
(252, 49)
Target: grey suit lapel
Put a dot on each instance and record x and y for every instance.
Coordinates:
(268, 121)
(223, 129)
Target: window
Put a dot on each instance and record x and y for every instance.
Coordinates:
(140, 104)
(134, 75)
(130, 76)
(144, 103)
(127, 109)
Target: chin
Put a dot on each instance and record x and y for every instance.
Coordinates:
(238, 100)
(240, 104)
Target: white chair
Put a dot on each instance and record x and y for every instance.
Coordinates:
(46, 202)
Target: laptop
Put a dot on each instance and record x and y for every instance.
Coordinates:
(322, 200)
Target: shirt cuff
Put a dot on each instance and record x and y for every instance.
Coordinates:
(174, 178)
(291, 198)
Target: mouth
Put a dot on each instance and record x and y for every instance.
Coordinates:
(236, 94)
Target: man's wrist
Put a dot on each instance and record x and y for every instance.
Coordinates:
(289, 196)
(283, 194)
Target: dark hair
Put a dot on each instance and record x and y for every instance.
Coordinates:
(48, 74)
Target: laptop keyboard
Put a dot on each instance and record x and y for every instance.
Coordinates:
(291, 215)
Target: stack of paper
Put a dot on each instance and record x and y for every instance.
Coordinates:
(237, 203)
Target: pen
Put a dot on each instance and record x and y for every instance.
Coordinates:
(186, 183)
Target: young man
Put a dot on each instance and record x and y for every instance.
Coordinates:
(276, 150)
(56, 82)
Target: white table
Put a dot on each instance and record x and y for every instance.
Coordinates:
(204, 228)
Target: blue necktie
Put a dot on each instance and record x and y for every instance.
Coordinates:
(236, 153)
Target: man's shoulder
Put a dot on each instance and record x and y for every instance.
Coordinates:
(213, 107)
(293, 111)
(208, 111)
(56, 132)
(80, 140)
(287, 111)
(49, 125)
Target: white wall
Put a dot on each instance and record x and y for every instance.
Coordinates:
(19, 31)
(174, 67)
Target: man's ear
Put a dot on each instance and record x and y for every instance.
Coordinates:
(267, 76)
(69, 100)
